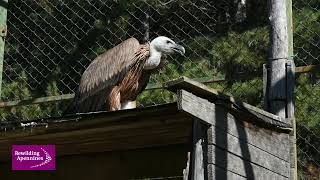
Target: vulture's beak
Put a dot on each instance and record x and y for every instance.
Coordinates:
(179, 49)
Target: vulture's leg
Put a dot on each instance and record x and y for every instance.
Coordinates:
(129, 105)
(114, 99)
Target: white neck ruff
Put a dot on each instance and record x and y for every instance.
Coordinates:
(154, 60)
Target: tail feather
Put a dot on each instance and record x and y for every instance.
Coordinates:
(97, 102)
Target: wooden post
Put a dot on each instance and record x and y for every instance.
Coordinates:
(291, 118)
(265, 87)
(278, 57)
(290, 94)
(281, 77)
(3, 33)
(199, 149)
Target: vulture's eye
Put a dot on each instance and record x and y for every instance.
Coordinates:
(169, 42)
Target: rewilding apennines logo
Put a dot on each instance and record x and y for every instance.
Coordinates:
(33, 157)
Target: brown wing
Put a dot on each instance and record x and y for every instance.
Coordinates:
(104, 72)
(108, 69)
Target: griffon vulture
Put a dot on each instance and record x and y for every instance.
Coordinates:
(114, 79)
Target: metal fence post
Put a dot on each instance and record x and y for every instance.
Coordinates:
(3, 33)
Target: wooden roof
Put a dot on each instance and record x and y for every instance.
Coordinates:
(135, 128)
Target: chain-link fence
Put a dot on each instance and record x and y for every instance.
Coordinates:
(306, 17)
(50, 43)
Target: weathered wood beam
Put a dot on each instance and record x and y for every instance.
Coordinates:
(194, 96)
(198, 161)
(278, 56)
(253, 154)
(207, 112)
(36, 100)
(97, 132)
(239, 165)
(307, 69)
(186, 170)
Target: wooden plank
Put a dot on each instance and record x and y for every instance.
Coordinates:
(219, 173)
(261, 138)
(148, 163)
(247, 151)
(36, 100)
(100, 140)
(138, 123)
(265, 89)
(257, 136)
(197, 106)
(186, 170)
(307, 69)
(86, 120)
(197, 171)
(240, 166)
(200, 90)
(198, 168)
(290, 114)
(106, 131)
(290, 29)
(290, 66)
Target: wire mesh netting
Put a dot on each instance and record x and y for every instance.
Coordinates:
(306, 17)
(50, 43)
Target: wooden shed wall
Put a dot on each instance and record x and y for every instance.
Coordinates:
(120, 165)
(240, 150)
(242, 141)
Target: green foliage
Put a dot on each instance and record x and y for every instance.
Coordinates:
(308, 102)
(27, 112)
(230, 55)
(246, 49)
(306, 17)
(306, 35)
(51, 42)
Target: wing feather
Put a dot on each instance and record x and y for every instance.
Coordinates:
(108, 69)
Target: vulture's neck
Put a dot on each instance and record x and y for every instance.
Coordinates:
(154, 59)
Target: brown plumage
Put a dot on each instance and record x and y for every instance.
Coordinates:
(114, 77)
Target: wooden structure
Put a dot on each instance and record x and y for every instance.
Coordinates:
(227, 139)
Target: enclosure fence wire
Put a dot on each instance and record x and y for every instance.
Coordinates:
(306, 32)
(50, 43)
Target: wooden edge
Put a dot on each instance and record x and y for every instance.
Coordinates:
(39, 100)
(197, 168)
(307, 69)
(89, 119)
(212, 95)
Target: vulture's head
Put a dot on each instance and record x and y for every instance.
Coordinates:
(167, 46)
